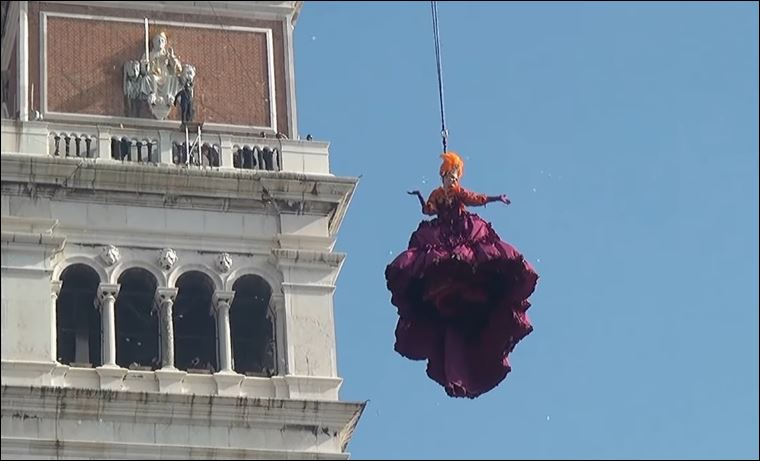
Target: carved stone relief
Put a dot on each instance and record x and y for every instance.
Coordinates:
(159, 79)
(223, 262)
(167, 258)
(110, 255)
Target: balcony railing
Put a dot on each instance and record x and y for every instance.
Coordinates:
(158, 146)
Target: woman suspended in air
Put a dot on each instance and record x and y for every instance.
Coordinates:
(461, 293)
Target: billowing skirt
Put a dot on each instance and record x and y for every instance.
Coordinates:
(462, 296)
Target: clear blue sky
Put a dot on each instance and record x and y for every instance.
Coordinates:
(626, 136)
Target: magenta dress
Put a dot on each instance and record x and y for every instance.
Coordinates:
(462, 296)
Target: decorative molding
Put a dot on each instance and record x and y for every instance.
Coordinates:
(75, 449)
(287, 257)
(27, 373)
(267, 271)
(306, 242)
(267, 11)
(55, 242)
(209, 129)
(28, 224)
(124, 265)
(79, 259)
(229, 188)
(178, 271)
(260, 247)
(313, 288)
(290, 80)
(43, 50)
(181, 408)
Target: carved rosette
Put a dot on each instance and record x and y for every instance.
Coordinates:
(167, 258)
(224, 262)
(110, 255)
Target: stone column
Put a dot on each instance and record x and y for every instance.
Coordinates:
(165, 305)
(106, 301)
(55, 289)
(222, 302)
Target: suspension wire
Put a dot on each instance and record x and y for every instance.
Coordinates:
(439, 67)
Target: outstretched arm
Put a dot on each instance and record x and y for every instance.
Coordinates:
(474, 199)
(427, 208)
(499, 198)
(419, 196)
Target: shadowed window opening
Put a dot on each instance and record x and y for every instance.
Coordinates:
(137, 334)
(195, 344)
(252, 328)
(77, 319)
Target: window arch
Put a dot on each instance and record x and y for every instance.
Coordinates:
(78, 326)
(251, 327)
(137, 333)
(195, 344)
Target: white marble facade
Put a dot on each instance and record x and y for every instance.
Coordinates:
(169, 220)
(87, 222)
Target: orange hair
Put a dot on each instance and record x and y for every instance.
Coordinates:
(451, 161)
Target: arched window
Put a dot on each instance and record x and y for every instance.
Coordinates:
(137, 336)
(251, 327)
(195, 344)
(77, 319)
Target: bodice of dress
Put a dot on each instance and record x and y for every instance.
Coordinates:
(451, 203)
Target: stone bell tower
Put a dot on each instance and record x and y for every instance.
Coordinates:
(167, 238)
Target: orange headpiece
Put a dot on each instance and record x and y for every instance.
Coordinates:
(451, 161)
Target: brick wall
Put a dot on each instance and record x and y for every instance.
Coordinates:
(85, 59)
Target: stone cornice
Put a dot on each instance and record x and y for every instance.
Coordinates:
(252, 10)
(245, 191)
(291, 257)
(179, 408)
(17, 446)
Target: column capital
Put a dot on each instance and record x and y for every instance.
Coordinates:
(222, 299)
(165, 294)
(106, 290)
